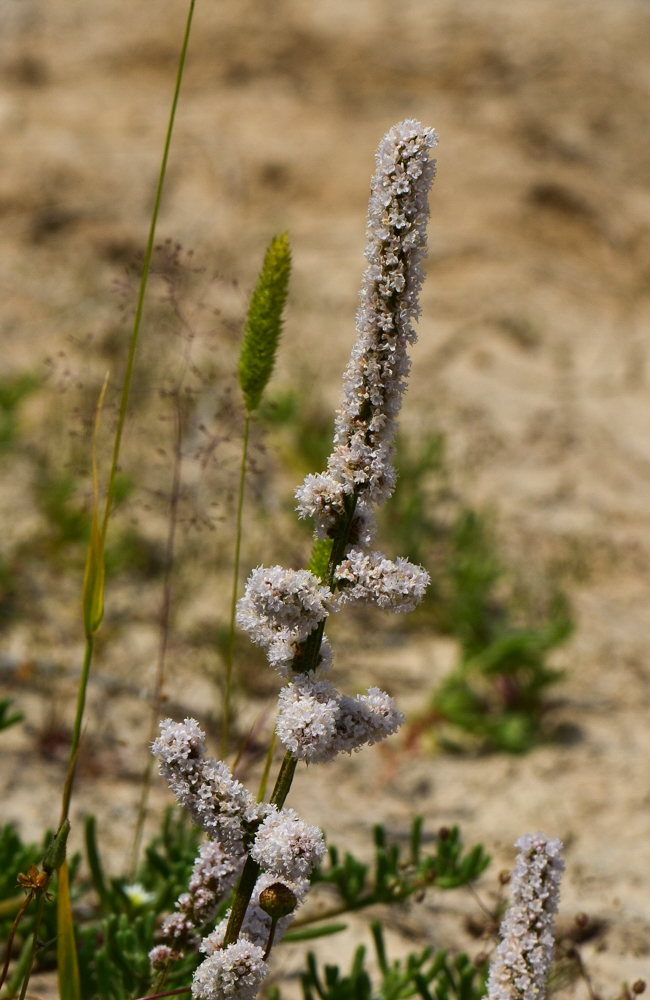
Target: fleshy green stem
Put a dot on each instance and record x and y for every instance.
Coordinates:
(235, 583)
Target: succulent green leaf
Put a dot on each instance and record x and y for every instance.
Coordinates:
(264, 322)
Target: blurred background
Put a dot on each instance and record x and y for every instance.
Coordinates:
(525, 446)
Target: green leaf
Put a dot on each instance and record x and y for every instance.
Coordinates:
(310, 933)
(66, 949)
(264, 322)
(93, 592)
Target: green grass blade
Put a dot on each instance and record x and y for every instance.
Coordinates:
(66, 949)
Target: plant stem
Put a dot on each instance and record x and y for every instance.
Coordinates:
(164, 628)
(83, 684)
(284, 779)
(169, 993)
(145, 270)
(76, 732)
(10, 940)
(32, 954)
(251, 870)
(235, 582)
(287, 771)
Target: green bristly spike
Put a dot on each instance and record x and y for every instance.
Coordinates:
(264, 322)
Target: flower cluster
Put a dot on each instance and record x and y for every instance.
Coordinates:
(279, 610)
(374, 381)
(204, 786)
(316, 723)
(285, 847)
(371, 578)
(523, 958)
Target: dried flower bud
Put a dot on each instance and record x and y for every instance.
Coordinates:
(278, 900)
(638, 987)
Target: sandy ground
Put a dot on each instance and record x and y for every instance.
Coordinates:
(532, 358)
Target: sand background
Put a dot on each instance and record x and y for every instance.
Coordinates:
(532, 359)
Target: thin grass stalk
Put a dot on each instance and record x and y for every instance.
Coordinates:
(164, 627)
(10, 940)
(230, 655)
(83, 683)
(76, 732)
(267, 767)
(145, 271)
(32, 954)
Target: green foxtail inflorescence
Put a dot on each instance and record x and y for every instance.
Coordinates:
(264, 323)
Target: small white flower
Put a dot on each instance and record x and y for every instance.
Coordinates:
(137, 894)
(280, 608)
(179, 742)
(286, 846)
(523, 958)
(366, 719)
(307, 717)
(235, 972)
(371, 578)
(161, 955)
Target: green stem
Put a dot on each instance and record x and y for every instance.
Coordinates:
(76, 732)
(251, 870)
(284, 780)
(245, 888)
(235, 582)
(81, 698)
(32, 954)
(145, 271)
(10, 940)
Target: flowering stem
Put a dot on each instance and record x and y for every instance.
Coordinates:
(269, 944)
(242, 898)
(235, 581)
(251, 870)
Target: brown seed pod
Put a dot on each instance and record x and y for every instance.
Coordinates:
(278, 900)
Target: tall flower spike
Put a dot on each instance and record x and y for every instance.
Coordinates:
(374, 380)
(523, 958)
